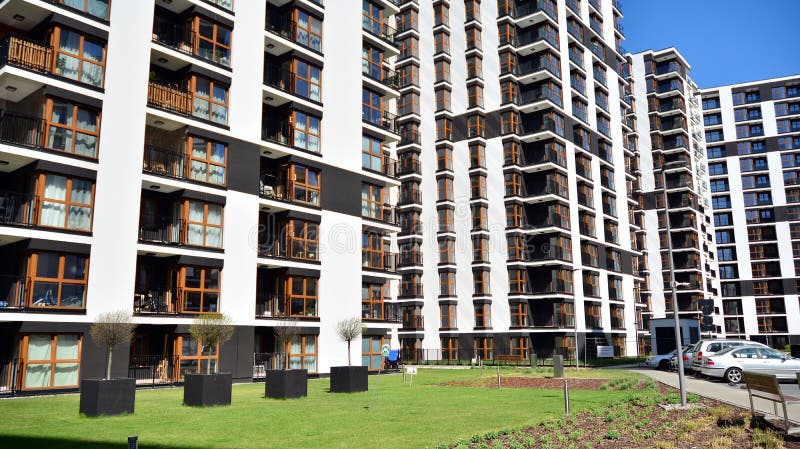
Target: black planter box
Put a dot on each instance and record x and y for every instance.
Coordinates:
(205, 390)
(286, 383)
(349, 379)
(106, 397)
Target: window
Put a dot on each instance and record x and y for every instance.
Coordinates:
(519, 314)
(305, 184)
(371, 355)
(201, 289)
(65, 202)
(58, 280)
(302, 296)
(713, 136)
(371, 106)
(195, 356)
(371, 201)
(303, 239)
(482, 347)
(51, 360)
(372, 296)
(475, 95)
(721, 202)
(444, 129)
(474, 67)
(207, 160)
(204, 223)
(78, 57)
(710, 103)
(213, 41)
(210, 100)
(307, 132)
(715, 152)
(445, 220)
(372, 62)
(726, 254)
(447, 251)
(372, 250)
(473, 9)
(476, 125)
(441, 43)
(443, 96)
(447, 312)
(371, 153)
(591, 284)
(445, 189)
(449, 348)
(518, 346)
(477, 186)
(447, 283)
(442, 70)
(514, 216)
(483, 316)
(302, 352)
(308, 80)
(308, 30)
(72, 128)
(719, 168)
(480, 283)
(509, 122)
(719, 185)
(473, 38)
(517, 281)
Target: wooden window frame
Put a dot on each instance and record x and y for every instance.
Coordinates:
(479, 214)
(307, 296)
(474, 66)
(483, 347)
(307, 77)
(304, 338)
(448, 316)
(183, 290)
(443, 99)
(447, 284)
(369, 203)
(519, 346)
(512, 152)
(449, 348)
(372, 303)
(198, 358)
(519, 314)
(186, 206)
(481, 283)
(215, 44)
(514, 215)
(53, 361)
(444, 189)
(55, 38)
(445, 225)
(308, 239)
(370, 17)
(509, 122)
(212, 84)
(370, 353)
(372, 63)
(441, 14)
(483, 314)
(441, 43)
(447, 251)
(442, 70)
(476, 125)
(518, 282)
(513, 184)
(309, 189)
(372, 250)
(369, 109)
(209, 144)
(295, 120)
(473, 38)
(73, 129)
(39, 192)
(474, 96)
(480, 248)
(60, 280)
(311, 19)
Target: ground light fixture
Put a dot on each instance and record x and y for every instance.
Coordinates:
(674, 285)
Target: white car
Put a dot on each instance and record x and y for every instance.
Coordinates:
(659, 361)
(730, 363)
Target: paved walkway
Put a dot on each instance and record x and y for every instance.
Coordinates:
(724, 392)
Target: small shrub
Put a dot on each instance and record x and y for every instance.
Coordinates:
(766, 439)
(612, 434)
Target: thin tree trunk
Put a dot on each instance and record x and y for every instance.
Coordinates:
(348, 354)
(208, 361)
(108, 366)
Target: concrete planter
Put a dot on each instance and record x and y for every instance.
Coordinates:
(286, 383)
(349, 379)
(107, 397)
(207, 390)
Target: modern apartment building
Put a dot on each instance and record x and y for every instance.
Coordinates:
(669, 136)
(752, 133)
(178, 157)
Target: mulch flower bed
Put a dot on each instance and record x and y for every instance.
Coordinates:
(638, 422)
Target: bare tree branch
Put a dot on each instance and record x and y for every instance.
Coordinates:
(284, 334)
(348, 330)
(111, 329)
(212, 329)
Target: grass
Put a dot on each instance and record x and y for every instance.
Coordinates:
(424, 415)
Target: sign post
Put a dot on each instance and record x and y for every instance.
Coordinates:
(411, 370)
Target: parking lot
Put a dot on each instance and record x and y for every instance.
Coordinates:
(722, 391)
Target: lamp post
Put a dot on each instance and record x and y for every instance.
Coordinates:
(673, 285)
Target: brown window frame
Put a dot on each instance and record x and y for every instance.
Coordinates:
(447, 284)
(306, 296)
(60, 280)
(372, 303)
(73, 129)
(183, 290)
(483, 347)
(199, 357)
(55, 38)
(519, 314)
(212, 40)
(40, 184)
(53, 361)
(308, 240)
(209, 147)
(448, 314)
(185, 214)
(309, 189)
(212, 84)
(449, 348)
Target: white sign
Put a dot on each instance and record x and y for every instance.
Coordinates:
(411, 370)
(605, 352)
(385, 350)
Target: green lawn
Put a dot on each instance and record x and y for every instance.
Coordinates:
(400, 416)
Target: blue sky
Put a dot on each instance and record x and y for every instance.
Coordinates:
(725, 41)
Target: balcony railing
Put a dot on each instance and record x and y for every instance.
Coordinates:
(26, 53)
(12, 292)
(163, 162)
(409, 167)
(542, 93)
(18, 129)
(388, 166)
(157, 301)
(386, 213)
(387, 77)
(383, 31)
(17, 209)
(410, 136)
(271, 306)
(162, 230)
(410, 290)
(385, 120)
(170, 99)
(288, 30)
(273, 187)
(382, 261)
(413, 322)
(387, 312)
(521, 10)
(408, 258)
(154, 370)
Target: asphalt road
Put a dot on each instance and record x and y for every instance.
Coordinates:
(722, 391)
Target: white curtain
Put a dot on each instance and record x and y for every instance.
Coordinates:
(219, 112)
(202, 93)
(67, 347)
(67, 65)
(86, 144)
(98, 8)
(196, 231)
(38, 375)
(54, 214)
(310, 363)
(66, 374)
(214, 235)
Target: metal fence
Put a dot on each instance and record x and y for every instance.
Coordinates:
(154, 370)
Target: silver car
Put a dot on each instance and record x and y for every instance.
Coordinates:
(708, 347)
(730, 363)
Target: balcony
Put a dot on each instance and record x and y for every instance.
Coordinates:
(384, 165)
(12, 291)
(284, 80)
(18, 209)
(410, 258)
(382, 119)
(177, 37)
(28, 54)
(162, 230)
(380, 261)
(385, 213)
(386, 77)
(380, 30)
(412, 322)
(169, 163)
(520, 10)
(288, 29)
(407, 166)
(410, 290)
(271, 306)
(170, 99)
(539, 94)
(542, 158)
(386, 312)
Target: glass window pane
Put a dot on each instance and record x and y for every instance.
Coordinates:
(67, 347)
(39, 347)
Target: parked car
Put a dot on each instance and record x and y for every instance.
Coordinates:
(659, 361)
(688, 353)
(708, 347)
(730, 363)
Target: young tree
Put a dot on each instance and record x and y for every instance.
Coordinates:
(212, 329)
(348, 330)
(284, 334)
(111, 329)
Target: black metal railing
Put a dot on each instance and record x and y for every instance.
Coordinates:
(12, 293)
(385, 120)
(175, 36)
(155, 301)
(288, 29)
(10, 377)
(410, 136)
(273, 187)
(163, 162)
(381, 30)
(19, 129)
(278, 131)
(18, 209)
(154, 228)
(271, 306)
(385, 213)
(383, 261)
(263, 361)
(154, 370)
(413, 322)
(409, 167)
(388, 312)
